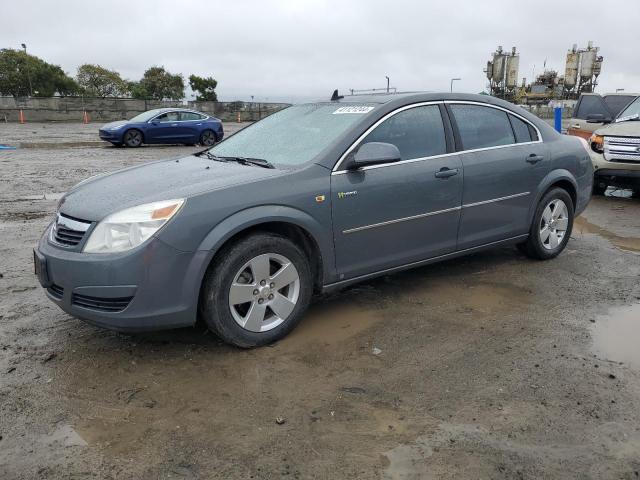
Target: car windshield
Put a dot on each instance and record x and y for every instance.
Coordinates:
(145, 116)
(295, 135)
(631, 111)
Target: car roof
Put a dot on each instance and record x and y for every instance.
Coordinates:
(405, 98)
(175, 109)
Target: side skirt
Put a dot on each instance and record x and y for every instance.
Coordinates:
(343, 283)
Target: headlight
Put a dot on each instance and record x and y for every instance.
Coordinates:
(131, 227)
(117, 127)
(597, 143)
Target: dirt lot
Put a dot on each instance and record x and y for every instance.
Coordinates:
(491, 366)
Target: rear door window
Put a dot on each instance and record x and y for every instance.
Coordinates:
(417, 132)
(591, 105)
(190, 116)
(521, 129)
(482, 127)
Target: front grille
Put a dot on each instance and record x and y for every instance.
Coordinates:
(68, 231)
(56, 291)
(622, 149)
(100, 304)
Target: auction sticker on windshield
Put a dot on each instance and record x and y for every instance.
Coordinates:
(354, 109)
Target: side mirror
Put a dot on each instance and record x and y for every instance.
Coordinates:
(598, 118)
(374, 153)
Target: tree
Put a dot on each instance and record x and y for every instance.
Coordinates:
(22, 74)
(158, 84)
(98, 81)
(205, 88)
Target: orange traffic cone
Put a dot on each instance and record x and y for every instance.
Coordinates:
(21, 116)
(85, 117)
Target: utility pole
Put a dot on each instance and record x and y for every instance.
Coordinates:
(24, 46)
(387, 83)
(453, 80)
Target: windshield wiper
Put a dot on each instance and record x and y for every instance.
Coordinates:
(210, 156)
(260, 162)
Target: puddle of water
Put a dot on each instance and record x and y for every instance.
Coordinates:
(615, 335)
(330, 324)
(629, 244)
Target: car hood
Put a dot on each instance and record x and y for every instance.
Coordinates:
(624, 129)
(97, 197)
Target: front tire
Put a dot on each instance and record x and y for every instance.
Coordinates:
(257, 291)
(207, 138)
(133, 138)
(599, 187)
(551, 226)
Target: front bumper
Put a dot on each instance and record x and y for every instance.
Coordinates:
(113, 136)
(615, 173)
(152, 287)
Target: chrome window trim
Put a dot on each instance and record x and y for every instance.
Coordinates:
(206, 117)
(336, 171)
(436, 212)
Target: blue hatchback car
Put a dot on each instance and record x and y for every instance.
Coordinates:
(164, 125)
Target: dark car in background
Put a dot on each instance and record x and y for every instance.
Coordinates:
(312, 198)
(164, 126)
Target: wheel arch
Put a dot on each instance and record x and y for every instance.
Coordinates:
(289, 222)
(128, 129)
(557, 178)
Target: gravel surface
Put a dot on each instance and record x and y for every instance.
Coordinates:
(490, 366)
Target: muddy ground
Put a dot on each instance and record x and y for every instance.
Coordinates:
(490, 366)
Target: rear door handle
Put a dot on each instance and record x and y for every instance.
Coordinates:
(174, 124)
(533, 158)
(445, 172)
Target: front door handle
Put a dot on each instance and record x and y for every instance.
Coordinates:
(575, 125)
(445, 172)
(533, 158)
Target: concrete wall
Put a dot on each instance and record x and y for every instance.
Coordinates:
(101, 110)
(71, 109)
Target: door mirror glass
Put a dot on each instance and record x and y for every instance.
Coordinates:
(374, 153)
(598, 118)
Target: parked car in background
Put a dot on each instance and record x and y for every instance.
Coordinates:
(312, 198)
(594, 110)
(616, 152)
(164, 125)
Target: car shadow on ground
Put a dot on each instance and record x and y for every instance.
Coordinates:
(371, 294)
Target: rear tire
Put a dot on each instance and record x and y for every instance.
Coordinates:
(133, 138)
(551, 226)
(246, 299)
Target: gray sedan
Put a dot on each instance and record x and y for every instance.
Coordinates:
(312, 198)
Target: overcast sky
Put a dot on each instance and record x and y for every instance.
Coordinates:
(301, 49)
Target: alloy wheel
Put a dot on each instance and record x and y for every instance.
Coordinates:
(134, 138)
(553, 224)
(264, 292)
(208, 138)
